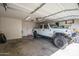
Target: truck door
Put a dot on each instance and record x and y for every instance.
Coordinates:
(46, 30)
(40, 30)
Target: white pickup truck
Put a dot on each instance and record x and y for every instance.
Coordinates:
(59, 35)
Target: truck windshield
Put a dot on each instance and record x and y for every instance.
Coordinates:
(54, 26)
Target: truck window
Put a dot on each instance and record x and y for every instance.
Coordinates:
(40, 26)
(46, 26)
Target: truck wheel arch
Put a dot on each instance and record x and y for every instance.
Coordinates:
(58, 41)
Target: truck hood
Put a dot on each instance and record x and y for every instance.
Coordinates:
(60, 30)
(63, 30)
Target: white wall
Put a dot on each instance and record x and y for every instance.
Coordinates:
(11, 27)
(27, 28)
(76, 21)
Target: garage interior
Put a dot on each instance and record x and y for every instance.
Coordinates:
(17, 21)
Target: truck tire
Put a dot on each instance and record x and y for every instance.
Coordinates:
(59, 40)
(2, 38)
(35, 34)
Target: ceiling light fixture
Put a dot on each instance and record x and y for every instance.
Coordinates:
(28, 18)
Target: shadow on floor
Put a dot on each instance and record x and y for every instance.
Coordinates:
(27, 46)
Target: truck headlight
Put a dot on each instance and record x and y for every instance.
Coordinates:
(73, 34)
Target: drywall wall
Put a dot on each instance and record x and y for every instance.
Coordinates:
(11, 27)
(76, 21)
(73, 27)
(27, 28)
(0, 25)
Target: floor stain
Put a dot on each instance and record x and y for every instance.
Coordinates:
(27, 46)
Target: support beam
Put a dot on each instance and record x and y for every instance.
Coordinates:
(63, 18)
(60, 12)
(35, 10)
(69, 16)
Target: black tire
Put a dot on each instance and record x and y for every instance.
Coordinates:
(35, 34)
(2, 38)
(59, 40)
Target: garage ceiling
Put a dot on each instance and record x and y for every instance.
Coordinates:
(49, 11)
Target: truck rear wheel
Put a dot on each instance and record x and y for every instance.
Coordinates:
(2, 38)
(35, 34)
(59, 40)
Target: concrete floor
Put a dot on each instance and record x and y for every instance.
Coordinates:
(28, 46)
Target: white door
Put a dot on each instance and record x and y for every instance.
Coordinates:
(40, 29)
(27, 28)
(46, 31)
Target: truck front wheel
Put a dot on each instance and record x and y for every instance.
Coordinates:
(59, 40)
